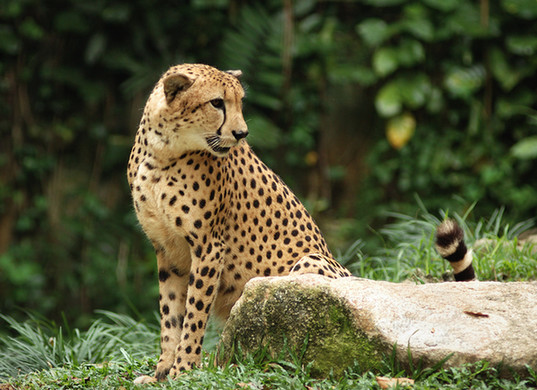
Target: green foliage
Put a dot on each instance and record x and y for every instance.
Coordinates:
(41, 344)
(450, 82)
(465, 72)
(408, 250)
(75, 77)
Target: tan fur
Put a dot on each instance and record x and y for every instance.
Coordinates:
(216, 215)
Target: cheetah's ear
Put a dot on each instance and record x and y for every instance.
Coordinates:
(235, 73)
(174, 84)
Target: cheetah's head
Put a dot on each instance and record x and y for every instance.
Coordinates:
(195, 107)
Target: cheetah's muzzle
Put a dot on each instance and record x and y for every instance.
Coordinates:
(214, 144)
(220, 149)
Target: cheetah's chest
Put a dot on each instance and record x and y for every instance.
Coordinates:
(183, 199)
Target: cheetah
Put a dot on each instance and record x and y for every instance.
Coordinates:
(216, 215)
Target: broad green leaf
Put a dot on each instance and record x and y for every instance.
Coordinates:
(309, 23)
(462, 82)
(385, 61)
(374, 31)
(95, 49)
(526, 9)
(302, 8)
(420, 28)
(30, 29)
(388, 100)
(410, 52)
(417, 21)
(65, 133)
(525, 149)
(466, 21)
(414, 89)
(525, 45)
(506, 109)
(11, 9)
(502, 71)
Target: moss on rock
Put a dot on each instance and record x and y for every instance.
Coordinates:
(281, 317)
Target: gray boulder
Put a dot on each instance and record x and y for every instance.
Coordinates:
(352, 320)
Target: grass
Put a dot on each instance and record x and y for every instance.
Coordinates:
(408, 251)
(116, 348)
(38, 344)
(255, 371)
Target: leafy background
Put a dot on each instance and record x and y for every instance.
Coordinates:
(358, 105)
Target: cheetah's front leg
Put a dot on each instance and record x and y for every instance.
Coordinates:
(173, 284)
(207, 263)
(173, 274)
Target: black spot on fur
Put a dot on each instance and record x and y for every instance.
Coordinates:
(163, 275)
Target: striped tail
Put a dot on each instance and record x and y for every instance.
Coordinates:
(450, 244)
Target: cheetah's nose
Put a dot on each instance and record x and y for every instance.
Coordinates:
(239, 134)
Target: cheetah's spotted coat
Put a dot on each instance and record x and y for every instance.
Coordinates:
(216, 215)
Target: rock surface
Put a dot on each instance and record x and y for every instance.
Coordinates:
(352, 320)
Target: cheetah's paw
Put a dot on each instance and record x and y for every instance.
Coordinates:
(142, 380)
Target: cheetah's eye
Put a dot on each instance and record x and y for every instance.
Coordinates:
(218, 103)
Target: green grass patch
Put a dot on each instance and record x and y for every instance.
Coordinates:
(407, 250)
(39, 344)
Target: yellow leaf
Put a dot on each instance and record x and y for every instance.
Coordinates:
(400, 129)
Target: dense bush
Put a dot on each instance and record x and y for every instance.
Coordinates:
(359, 105)
(76, 75)
(456, 84)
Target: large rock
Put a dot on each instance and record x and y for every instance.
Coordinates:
(353, 320)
